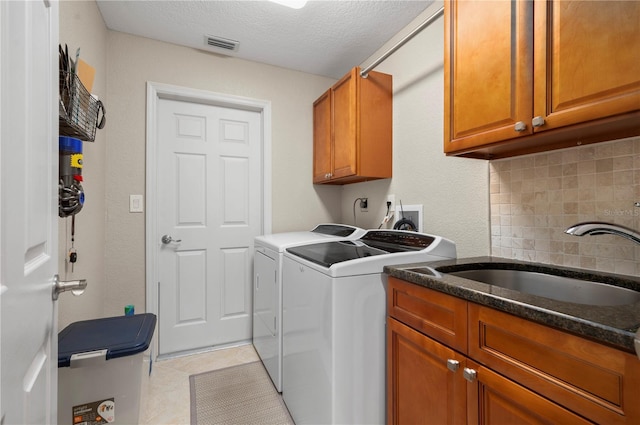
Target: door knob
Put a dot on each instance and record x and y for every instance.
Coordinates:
(76, 287)
(166, 239)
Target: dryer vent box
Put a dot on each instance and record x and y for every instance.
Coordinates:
(411, 212)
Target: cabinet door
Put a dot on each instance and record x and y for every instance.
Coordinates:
(488, 72)
(587, 60)
(421, 388)
(494, 399)
(343, 99)
(322, 138)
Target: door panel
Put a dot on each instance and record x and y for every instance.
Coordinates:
(191, 286)
(210, 203)
(29, 211)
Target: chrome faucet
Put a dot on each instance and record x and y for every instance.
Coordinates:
(600, 228)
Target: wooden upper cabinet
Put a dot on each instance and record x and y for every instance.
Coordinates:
(530, 76)
(352, 130)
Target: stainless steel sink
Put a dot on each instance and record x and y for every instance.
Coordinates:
(558, 288)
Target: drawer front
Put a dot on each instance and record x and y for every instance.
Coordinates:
(593, 380)
(438, 315)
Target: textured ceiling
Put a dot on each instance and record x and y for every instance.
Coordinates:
(326, 37)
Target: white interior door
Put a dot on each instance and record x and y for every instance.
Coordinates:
(28, 211)
(210, 204)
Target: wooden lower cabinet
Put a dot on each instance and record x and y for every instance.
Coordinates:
(427, 385)
(503, 369)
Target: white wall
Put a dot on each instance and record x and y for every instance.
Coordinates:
(454, 192)
(110, 240)
(132, 62)
(81, 25)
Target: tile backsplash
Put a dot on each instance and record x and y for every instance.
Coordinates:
(535, 198)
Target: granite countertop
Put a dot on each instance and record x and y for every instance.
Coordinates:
(612, 325)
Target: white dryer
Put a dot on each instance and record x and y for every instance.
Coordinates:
(334, 323)
(267, 288)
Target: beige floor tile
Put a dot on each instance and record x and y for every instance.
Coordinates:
(167, 401)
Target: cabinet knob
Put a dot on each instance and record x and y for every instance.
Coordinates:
(469, 374)
(520, 126)
(453, 365)
(537, 121)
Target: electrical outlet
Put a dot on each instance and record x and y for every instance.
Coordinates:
(392, 199)
(364, 204)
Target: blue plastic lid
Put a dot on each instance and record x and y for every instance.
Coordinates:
(121, 336)
(71, 144)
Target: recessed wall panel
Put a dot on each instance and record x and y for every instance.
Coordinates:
(234, 292)
(191, 186)
(235, 190)
(191, 286)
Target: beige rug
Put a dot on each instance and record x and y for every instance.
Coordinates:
(241, 394)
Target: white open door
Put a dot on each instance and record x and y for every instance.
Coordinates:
(28, 211)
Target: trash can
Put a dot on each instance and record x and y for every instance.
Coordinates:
(100, 369)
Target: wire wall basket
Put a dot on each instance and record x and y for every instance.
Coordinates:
(78, 109)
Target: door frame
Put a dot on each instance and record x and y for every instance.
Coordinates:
(156, 92)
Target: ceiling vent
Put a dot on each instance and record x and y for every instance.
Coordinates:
(221, 43)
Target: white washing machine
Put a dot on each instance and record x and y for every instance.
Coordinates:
(267, 288)
(334, 330)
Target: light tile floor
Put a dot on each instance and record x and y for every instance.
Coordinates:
(166, 398)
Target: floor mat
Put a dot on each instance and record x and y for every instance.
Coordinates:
(241, 394)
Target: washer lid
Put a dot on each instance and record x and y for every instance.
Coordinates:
(373, 243)
(321, 233)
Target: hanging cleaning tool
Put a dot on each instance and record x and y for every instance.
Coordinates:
(71, 194)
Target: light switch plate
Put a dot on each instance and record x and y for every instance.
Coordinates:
(136, 204)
